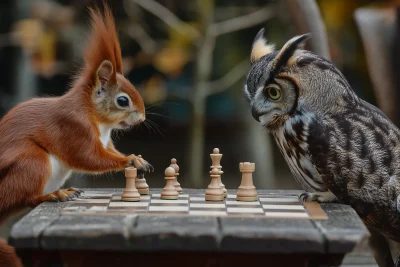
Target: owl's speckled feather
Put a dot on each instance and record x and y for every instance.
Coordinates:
(337, 146)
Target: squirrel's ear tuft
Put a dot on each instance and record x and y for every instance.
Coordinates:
(105, 71)
(260, 47)
(102, 53)
(288, 50)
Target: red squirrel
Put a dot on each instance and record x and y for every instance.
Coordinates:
(43, 140)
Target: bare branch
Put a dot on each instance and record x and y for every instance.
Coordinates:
(145, 42)
(229, 79)
(242, 22)
(168, 17)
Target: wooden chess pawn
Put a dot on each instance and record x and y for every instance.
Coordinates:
(216, 162)
(176, 183)
(130, 193)
(169, 191)
(214, 191)
(141, 184)
(247, 191)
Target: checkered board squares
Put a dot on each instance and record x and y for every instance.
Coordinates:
(267, 206)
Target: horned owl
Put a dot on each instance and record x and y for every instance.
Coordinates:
(338, 147)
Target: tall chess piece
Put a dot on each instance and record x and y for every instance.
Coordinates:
(130, 193)
(169, 191)
(247, 191)
(176, 183)
(141, 184)
(216, 163)
(214, 191)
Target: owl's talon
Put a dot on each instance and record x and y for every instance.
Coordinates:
(304, 196)
(322, 197)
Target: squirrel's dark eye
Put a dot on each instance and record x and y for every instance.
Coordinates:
(123, 101)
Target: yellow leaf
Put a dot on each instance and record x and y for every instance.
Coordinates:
(154, 90)
(171, 60)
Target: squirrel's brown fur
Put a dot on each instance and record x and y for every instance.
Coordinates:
(68, 127)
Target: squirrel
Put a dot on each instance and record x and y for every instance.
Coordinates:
(43, 140)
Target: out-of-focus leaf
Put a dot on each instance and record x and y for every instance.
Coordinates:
(39, 43)
(171, 60)
(338, 13)
(27, 33)
(178, 39)
(154, 90)
(47, 47)
(47, 53)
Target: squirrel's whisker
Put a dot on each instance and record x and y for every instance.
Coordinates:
(157, 114)
(158, 128)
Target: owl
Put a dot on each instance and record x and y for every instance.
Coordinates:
(338, 147)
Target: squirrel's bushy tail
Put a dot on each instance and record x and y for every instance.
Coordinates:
(8, 256)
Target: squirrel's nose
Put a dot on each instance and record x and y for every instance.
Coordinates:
(256, 115)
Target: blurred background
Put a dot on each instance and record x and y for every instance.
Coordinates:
(188, 59)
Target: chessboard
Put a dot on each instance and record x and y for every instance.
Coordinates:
(268, 205)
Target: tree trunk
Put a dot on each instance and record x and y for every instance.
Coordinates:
(199, 101)
(25, 79)
(307, 18)
(197, 143)
(377, 30)
(199, 97)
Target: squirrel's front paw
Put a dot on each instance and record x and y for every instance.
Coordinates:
(323, 197)
(58, 196)
(141, 164)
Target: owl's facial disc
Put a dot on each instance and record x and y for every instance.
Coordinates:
(266, 104)
(272, 101)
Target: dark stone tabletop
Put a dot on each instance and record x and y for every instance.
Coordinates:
(44, 227)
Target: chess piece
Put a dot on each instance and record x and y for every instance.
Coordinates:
(214, 191)
(130, 193)
(141, 184)
(176, 183)
(216, 163)
(169, 191)
(247, 191)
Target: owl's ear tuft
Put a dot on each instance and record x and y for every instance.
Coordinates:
(260, 47)
(288, 50)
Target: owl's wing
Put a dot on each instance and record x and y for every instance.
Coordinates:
(318, 147)
(354, 155)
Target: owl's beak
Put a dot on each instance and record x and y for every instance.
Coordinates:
(255, 114)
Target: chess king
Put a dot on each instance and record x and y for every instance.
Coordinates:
(338, 147)
(44, 140)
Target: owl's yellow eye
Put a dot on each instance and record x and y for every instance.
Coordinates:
(273, 93)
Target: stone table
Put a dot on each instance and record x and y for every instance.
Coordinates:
(45, 237)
